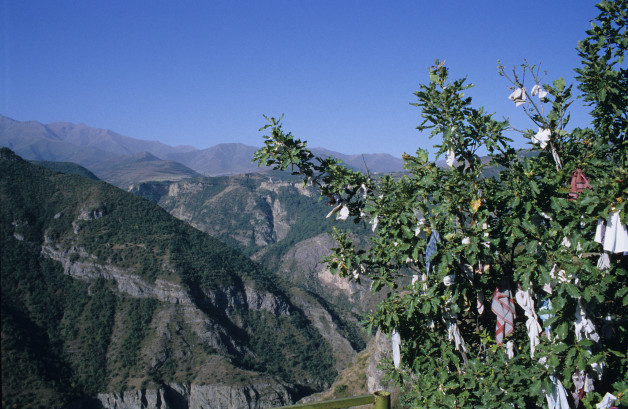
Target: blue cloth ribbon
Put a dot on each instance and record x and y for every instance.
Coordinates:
(430, 250)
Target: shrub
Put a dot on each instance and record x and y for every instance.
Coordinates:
(453, 244)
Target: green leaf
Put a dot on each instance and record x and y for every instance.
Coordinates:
(421, 155)
(559, 84)
(572, 290)
(562, 330)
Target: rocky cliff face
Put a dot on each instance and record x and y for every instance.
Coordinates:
(247, 209)
(78, 263)
(266, 204)
(258, 395)
(225, 300)
(302, 262)
(328, 326)
(262, 214)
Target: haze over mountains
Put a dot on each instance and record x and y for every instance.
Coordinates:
(111, 155)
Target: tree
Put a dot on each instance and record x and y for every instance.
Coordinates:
(502, 293)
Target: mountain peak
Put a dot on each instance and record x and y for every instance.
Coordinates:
(144, 157)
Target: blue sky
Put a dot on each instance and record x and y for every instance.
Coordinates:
(204, 72)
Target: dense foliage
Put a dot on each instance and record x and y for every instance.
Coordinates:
(55, 330)
(454, 245)
(294, 340)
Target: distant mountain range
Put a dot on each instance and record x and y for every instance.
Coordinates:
(120, 159)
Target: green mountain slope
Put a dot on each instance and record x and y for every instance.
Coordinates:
(68, 168)
(105, 292)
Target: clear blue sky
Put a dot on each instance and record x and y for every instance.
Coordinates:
(204, 72)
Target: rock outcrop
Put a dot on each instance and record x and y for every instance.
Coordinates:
(380, 348)
(85, 266)
(78, 263)
(258, 395)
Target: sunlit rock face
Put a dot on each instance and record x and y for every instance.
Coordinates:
(259, 395)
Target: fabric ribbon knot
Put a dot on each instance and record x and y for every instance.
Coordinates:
(504, 308)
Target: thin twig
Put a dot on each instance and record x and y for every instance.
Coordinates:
(366, 167)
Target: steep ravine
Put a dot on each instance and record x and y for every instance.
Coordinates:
(109, 301)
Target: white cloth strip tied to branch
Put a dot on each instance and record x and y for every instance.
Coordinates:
(582, 384)
(450, 157)
(342, 210)
(585, 329)
(449, 280)
(557, 399)
(538, 90)
(374, 223)
(451, 318)
(604, 262)
(542, 137)
(524, 299)
(365, 190)
(510, 349)
(584, 326)
(546, 306)
(430, 250)
(607, 401)
(453, 334)
(612, 234)
(396, 348)
(518, 96)
(480, 303)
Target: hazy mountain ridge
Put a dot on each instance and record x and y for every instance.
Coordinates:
(90, 147)
(123, 171)
(167, 307)
(110, 141)
(219, 160)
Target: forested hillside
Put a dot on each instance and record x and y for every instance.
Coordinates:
(103, 292)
